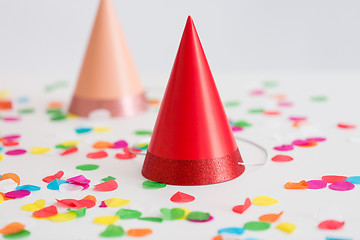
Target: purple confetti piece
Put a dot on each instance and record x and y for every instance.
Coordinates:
(103, 204)
(120, 144)
(316, 184)
(16, 152)
(236, 128)
(341, 186)
(17, 194)
(284, 148)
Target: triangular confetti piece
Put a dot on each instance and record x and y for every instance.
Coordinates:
(46, 212)
(181, 197)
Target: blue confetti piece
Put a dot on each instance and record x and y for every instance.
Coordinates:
(232, 230)
(83, 130)
(354, 179)
(54, 184)
(336, 238)
(28, 187)
(1, 148)
(23, 100)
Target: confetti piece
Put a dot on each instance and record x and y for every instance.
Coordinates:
(126, 155)
(333, 178)
(1, 198)
(218, 237)
(353, 179)
(10, 143)
(113, 231)
(257, 226)
(336, 238)
(331, 225)
(242, 123)
(26, 111)
(316, 184)
(79, 212)
(51, 178)
(58, 117)
(55, 184)
(106, 186)
(151, 219)
(106, 220)
(128, 214)
(45, 212)
(236, 128)
(346, 126)
(12, 228)
(69, 150)
(152, 185)
(242, 208)
(90, 197)
(272, 217)
(87, 167)
(28, 187)
(270, 84)
(198, 216)
(282, 158)
(257, 92)
(318, 98)
(232, 230)
(342, 186)
(286, 227)
(15, 152)
(1, 156)
(264, 201)
(17, 194)
(172, 214)
(143, 132)
(285, 104)
(73, 203)
(83, 130)
(102, 205)
(120, 144)
(97, 155)
(108, 178)
(39, 150)
(256, 110)
(69, 143)
(102, 145)
(284, 147)
(231, 103)
(35, 206)
(68, 187)
(12, 176)
(293, 185)
(316, 139)
(271, 113)
(102, 129)
(64, 217)
(22, 234)
(181, 197)
(116, 202)
(11, 119)
(81, 180)
(139, 232)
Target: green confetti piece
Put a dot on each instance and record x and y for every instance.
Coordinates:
(257, 226)
(198, 216)
(113, 231)
(242, 123)
(319, 98)
(143, 132)
(152, 185)
(270, 84)
(58, 117)
(54, 111)
(26, 111)
(108, 178)
(60, 146)
(128, 214)
(87, 167)
(151, 219)
(142, 146)
(256, 110)
(172, 214)
(79, 212)
(232, 104)
(22, 234)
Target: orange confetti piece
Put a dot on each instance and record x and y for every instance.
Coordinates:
(3, 196)
(54, 104)
(12, 176)
(90, 197)
(300, 185)
(280, 97)
(139, 232)
(154, 101)
(309, 144)
(218, 237)
(103, 145)
(272, 217)
(12, 228)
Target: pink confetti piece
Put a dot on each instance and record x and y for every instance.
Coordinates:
(16, 152)
(316, 184)
(242, 208)
(257, 92)
(12, 137)
(181, 197)
(316, 139)
(11, 119)
(236, 128)
(17, 194)
(57, 175)
(282, 158)
(97, 155)
(331, 225)
(284, 148)
(103, 205)
(299, 142)
(120, 144)
(297, 118)
(80, 180)
(342, 186)
(285, 104)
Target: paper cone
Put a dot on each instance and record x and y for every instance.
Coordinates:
(192, 142)
(108, 78)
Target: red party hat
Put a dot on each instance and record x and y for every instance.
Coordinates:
(192, 142)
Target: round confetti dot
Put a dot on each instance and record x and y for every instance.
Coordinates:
(139, 232)
(282, 158)
(264, 201)
(116, 202)
(113, 231)
(87, 167)
(342, 186)
(257, 226)
(106, 220)
(286, 227)
(316, 184)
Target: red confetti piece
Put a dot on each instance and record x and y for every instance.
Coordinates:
(46, 212)
(51, 178)
(181, 197)
(17, 194)
(97, 155)
(135, 150)
(242, 208)
(10, 143)
(107, 186)
(73, 203)
(282, 158)
(271, 113)
(16, 152)
(331, 225)
(69, 150)
(126, 155)
(284, 148)
(333, 178)
(346, 126)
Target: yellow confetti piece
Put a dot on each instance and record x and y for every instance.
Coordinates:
(69, 143)
(4, 94)
(102, 129)
(35, 206)
(1, 157)
(116, 202)
(1, 199)
(39, 150)
(106, 220)
(187, 211)
(70, 115)
(63, 217)
(286, 227)
(264, 201)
